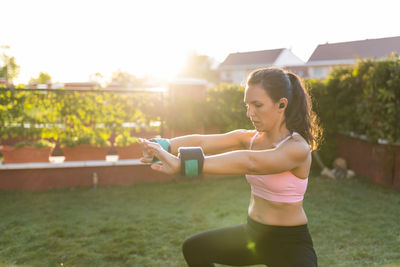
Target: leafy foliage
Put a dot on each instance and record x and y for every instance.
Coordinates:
(125, 139)
(223, 106)
(199, 66)
(41, 79)
(9, 68)
(85, 139)
(66, 116)
(37, 144)
(127, 80)
(361, 100)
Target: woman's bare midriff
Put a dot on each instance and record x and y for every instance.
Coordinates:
(276, 213)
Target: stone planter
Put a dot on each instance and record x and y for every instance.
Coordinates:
(25, 154)
(85, 152)
(133, 151)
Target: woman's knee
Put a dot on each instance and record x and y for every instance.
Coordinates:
(190, 246)
(195, 253)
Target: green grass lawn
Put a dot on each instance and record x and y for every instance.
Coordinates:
(352, 222)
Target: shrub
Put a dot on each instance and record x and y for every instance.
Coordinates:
(360, 100)
(225, 107)
(85, 139)
(37, 144)
(125, 139)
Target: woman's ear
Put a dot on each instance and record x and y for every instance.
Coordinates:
(283, 103)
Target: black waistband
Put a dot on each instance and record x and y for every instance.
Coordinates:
(275, 228)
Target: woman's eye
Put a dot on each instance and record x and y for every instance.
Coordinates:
(258, 106)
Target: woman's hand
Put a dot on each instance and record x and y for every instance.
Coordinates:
(169, 163)
(147, 156)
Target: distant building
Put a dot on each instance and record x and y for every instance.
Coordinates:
(114, 85)
(237, 66)
(81, 85)
(73, 85)
(328, 56)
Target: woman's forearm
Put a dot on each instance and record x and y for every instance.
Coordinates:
(211, 143)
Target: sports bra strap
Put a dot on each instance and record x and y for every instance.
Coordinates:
(252, 140)
(284, 140)
(280, 143)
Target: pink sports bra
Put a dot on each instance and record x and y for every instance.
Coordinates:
(279, 187)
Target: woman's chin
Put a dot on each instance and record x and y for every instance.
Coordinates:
(258, 127)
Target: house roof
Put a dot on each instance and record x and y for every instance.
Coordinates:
(376, 48)
(264, 57)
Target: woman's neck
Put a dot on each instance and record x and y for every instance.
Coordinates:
(277, 135)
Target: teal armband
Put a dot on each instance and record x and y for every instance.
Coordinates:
(164, 143)
(192, 161)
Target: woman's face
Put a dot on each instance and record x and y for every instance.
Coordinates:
(261, 110)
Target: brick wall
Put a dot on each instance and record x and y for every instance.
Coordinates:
(377, 162)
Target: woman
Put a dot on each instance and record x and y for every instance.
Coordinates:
(276, 159)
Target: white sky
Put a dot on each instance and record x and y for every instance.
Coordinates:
(72, 39)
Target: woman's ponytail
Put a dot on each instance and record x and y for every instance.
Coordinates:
(299, 114)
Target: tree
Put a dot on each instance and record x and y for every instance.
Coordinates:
(127, 80)
(41, 79)
(199, 66)
(9, 69)
(97, 78)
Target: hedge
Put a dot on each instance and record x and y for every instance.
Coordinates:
(360, 100)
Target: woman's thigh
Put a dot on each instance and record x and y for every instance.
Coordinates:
(300, 255)
(233, 245)
(243, 245)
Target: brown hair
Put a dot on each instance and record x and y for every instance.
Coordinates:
(299, 117)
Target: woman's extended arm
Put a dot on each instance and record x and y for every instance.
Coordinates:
(284, 158)
(287, 157)
(212, 143)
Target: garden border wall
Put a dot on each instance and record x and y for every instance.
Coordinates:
(371, 160)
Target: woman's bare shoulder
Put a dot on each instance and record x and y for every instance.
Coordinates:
(297, 138)
(297, 146)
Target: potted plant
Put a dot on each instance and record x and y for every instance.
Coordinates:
(23, 152)
(128, 147)
(85, 147)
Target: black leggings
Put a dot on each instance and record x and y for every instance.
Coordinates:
(252, 243)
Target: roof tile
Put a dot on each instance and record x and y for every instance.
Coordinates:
(252, 58)
(375, 48)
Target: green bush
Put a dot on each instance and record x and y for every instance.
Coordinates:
(223, 107)
(185, 113)
(125, 139)
(360, 100)
(85, 139)
(37, 144)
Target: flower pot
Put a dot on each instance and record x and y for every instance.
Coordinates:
(85, 152)
(133, 151)
(26, 154)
